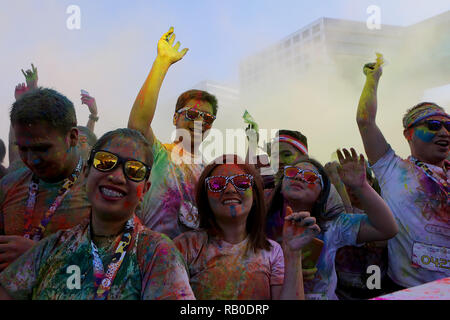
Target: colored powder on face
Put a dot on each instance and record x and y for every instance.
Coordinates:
(424, 134)
(233, 211)
(310, 186)
(139, 191)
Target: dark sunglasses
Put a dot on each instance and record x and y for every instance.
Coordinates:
(193, 114)
(105, 161)
(435, 125)
(308, 176)
(219, 183)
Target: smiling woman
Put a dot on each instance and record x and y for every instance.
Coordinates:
(230, 256)
(117, 257)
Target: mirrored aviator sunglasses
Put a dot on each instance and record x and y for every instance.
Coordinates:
(241, 182)
(193, 114)
(105, 161)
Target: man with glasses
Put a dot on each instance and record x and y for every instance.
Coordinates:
(416, 189)
(169, 206)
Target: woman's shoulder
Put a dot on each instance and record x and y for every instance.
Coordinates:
(198, 236)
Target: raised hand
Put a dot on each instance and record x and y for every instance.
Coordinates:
(90, 102)
(20, 90)
(331, 170)
(352, 170)
(299, 229)
(373, 70)
(167, 51)
(31, 77)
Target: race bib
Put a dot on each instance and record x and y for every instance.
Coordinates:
(316, 296)
(431, 257)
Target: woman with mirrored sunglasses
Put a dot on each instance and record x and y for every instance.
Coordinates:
(111, 255)
(304, 189)
(229, 257)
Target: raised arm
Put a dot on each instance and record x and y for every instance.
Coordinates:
(298, 230)
(31, 77)
(92, 105)
(144, 106)
(382, 225)
(374, 142)
(333, 175)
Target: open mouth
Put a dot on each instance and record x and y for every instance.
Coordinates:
(111, 194)
(231, 202)
(442, 143)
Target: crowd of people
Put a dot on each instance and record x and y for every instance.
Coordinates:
(141, 219)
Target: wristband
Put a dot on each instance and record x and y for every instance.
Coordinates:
(93, 118)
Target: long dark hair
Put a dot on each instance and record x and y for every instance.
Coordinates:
(256, 220)
(276, 201)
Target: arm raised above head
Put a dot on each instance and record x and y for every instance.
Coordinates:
(144, 106)
(374, 142)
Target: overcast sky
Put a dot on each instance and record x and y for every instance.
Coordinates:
(112, 52)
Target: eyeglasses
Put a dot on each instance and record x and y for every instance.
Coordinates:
(105, 161)
(307, 176)
(193, 114)
(435, 125)
(241, 182)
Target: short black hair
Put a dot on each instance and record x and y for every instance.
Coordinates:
(2, 151)
(44, 105)
(126, 133)
(294, 134)
(197, 94)
(91, 137)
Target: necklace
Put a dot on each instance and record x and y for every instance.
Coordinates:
(36, 233)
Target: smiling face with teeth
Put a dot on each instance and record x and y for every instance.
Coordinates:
(429, 146)
(197, 130)
(230, 203)
(112, 195)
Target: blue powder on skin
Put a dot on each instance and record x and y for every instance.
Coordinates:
(424, 134)
(233, 211)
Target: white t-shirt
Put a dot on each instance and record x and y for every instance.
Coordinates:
(341, 231)
(420, 252)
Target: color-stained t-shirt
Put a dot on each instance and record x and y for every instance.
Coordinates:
(169, 206)
(152, 268)
(352, 263)
(13, 200)
(420, 252)
(339, 232)
(219, 270)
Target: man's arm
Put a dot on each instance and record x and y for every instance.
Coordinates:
(374, 142)
(144, 106)
(4, 295)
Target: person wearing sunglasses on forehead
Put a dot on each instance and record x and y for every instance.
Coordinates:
(230, 256)
(304, 187)
(169, 206)
(417, 189)
(111, 255)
